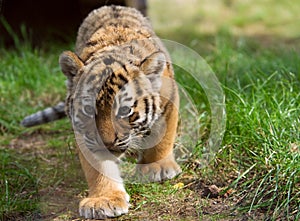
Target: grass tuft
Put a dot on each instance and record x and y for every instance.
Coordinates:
(19, 188)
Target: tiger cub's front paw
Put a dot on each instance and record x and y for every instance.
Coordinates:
(113, 204)
(158, 171)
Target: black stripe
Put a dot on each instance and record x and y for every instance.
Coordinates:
(91, 43)
(59, 113)
(68, 101)
(108, 60)
(123, 89)
(138, 89)
(113, 75)
(149, 56)
(89, 55)
(134, 117)
(153, 106)
(112, 78)
(115, 11)
(111, 91)
(45, 117)
(128, 99)
(146, 103)
(131, 49)
(120, 86)
(112, 81)
(122, 77)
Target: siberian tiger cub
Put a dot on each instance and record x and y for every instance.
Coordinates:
(136, 104)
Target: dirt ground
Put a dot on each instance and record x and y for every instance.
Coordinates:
(62, 186)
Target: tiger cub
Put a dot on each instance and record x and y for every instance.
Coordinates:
(136, 105)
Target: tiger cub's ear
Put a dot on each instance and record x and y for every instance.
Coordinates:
(153, 67)
(69, 63)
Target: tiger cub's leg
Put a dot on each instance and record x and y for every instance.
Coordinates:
(107, 197)
(158, 163)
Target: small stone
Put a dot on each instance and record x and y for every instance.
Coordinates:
(211, 191)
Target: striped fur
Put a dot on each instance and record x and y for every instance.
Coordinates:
(123, 65)
(48, 115)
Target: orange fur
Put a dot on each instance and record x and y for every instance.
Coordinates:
(107, 196)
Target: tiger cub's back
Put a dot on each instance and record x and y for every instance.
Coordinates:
(111, 26)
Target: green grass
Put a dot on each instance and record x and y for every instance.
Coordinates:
(261, 143)
(19, 187)
(263, 132)
(28, 73)
(30, 162)
(259, 160)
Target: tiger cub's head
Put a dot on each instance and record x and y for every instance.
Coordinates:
(128, 101)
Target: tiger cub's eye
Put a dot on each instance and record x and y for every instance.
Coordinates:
(124, 111)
